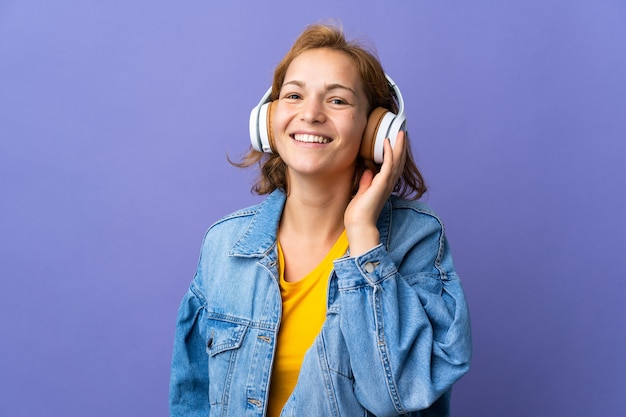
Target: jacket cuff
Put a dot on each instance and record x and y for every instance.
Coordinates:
(367, 269)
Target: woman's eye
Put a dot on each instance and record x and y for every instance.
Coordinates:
(292, 96)
(338, 101)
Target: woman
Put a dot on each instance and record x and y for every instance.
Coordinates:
(336, 296)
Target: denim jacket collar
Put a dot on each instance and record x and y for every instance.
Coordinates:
(260, 237)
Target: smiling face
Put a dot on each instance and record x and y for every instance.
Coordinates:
(320, 115)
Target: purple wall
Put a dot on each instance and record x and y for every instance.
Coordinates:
(115, 121)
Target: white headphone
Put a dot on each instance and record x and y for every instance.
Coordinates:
(381, 124)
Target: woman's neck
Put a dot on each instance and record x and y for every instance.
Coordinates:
(312, 221)
(314, 212)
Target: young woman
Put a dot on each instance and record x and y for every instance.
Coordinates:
(337, 295)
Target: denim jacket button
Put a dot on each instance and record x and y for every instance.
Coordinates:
(369, 267)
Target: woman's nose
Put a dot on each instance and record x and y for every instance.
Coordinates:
(312, 111)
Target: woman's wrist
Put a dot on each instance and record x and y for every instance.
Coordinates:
(362, 238)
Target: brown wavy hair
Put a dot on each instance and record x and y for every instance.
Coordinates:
(273, 171)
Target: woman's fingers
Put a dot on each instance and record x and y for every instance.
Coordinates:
(394, 159)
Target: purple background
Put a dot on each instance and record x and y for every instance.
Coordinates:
(115, 121)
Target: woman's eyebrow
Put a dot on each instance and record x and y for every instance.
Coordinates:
(338, 86)
(329, 87)
(294, 82)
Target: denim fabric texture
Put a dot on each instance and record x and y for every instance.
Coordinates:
(396, 336)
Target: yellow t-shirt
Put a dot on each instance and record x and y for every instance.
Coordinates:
(304, 312)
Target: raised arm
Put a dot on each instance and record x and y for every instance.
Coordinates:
(404, 319)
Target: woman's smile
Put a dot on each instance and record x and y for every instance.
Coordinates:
(308, 138)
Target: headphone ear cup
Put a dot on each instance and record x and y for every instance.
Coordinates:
(270, 127)
(378, 123)
(261, 133)
(259, 121)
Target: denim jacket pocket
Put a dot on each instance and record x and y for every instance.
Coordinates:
(225, 336)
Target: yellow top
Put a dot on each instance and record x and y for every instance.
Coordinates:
(304, 312)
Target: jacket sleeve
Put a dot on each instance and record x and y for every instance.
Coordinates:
(405, 321)
(189, 379)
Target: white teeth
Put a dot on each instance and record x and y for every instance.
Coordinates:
(310, 138)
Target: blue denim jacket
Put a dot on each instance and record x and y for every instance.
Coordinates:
(395, 339)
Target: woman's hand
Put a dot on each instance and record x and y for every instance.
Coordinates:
(365, 207)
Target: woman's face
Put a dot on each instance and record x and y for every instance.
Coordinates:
(321, 115)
